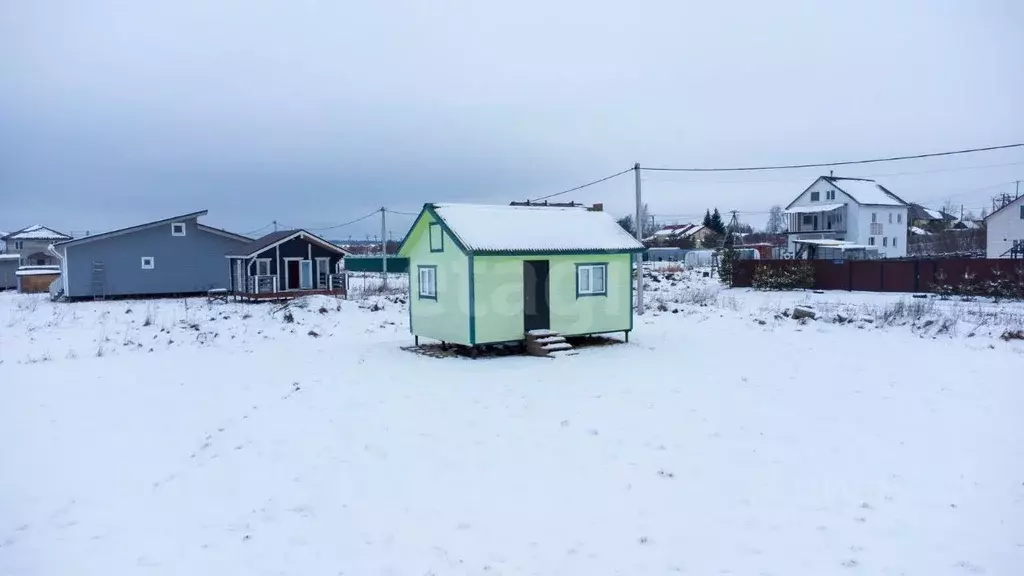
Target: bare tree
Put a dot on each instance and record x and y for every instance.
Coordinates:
(776, 220)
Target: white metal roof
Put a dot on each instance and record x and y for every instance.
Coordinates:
(10, 257)
(492, 228)
(866, 192)
(818, 208)
(837, 244)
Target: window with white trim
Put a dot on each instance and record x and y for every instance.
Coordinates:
(815, 196)
(148, 263)
(874, 217)
(263, 266)
(178, 229)
(1022, 211)
(19, 245)
(890, 217)
(591, 279)
(885, 241)
(894, 242)
(871, 241)
(899, 218)
(876, 229)
(428, 282)
(830, 195)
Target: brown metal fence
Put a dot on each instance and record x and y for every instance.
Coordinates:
(887, 275)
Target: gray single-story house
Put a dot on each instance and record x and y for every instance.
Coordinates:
(173, 256)
(8, 266)
(286, 261)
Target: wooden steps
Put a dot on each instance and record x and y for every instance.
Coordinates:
(548, 343)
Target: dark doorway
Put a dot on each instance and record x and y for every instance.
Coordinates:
(293, 275)
(536, 314)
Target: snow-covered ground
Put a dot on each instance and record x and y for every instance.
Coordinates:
(726, 438)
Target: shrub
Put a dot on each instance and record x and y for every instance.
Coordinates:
(798, 275)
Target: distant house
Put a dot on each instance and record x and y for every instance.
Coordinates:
(675, 234)
(8, 267)
(173, 256)
(286, 261)
(928, 219)
(856, 211)
(31, 244)
(491, 274)
(1004, 230)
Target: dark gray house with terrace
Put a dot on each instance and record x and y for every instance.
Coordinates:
(285, 263)
(173, 256)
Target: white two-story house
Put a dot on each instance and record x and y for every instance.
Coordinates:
(1004, 231)
(31, 245)
(855, 210)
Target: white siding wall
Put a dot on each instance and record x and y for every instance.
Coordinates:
(1004, 227)
(897, 230)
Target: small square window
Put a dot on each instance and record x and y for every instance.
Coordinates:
(263, 267)
(815, 196)
(436, 237)
(178, 229)
(148, 263)
(808, 219)
(428, 282)
(591, 280)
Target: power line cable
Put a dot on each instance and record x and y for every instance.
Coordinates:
(264, 227)
(389, 211)
(349, 223)
(617, 174)
(829, 164)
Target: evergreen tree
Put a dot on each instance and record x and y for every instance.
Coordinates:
(707, 219)
(717, 224)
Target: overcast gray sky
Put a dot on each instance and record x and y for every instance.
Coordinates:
(316, 112)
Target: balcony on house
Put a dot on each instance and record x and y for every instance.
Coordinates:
(827, 218)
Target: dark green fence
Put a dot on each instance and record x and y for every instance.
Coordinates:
(374, 264)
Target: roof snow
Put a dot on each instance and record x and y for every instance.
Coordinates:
(919, 231)
(816, 208)
(37, 232)
(492, 228)
(866, 191)
(676, 230)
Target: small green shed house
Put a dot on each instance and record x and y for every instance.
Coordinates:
(481, 274)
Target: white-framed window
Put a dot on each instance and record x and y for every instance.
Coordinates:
(871, 241)
(885, 240)
(263, 266)
(890, 217)
(876, 229)
(591, 280)
(830, 195)
(19, 245)
(815, 196)
(1022, 211)
(428, 282)
(899, 218)
(178, 229)
(894, 242)
(148, 263)
(874, 217)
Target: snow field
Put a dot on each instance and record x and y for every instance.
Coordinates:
(710, 444)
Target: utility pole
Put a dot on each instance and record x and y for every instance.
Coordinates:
(1016, 192)
(384, 245)
(638, 225)
(275, 225)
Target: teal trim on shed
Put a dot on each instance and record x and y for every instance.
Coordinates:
(472, 303)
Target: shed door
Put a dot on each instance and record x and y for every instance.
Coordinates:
(536, 313)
